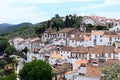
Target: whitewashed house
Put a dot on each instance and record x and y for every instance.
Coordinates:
(88, 20)
(15, 42)
(97, 37)
(66, 34)
(29, 43)
(104, 37)
(101, 52)
(117, 50)
(38, 55)
(110, 38)
(76, 41)
(48, 35)
(80, 39)
(115, 28)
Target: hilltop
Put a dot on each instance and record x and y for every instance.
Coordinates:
(6, 27)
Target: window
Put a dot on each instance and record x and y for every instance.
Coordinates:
(63, 34)
(82, 55)
(116, 53)
(110, 43)
(72, 41)
(103, 55)
(71, 54)
(90, 55)
(96, 55)
(101, 40)
(94, 41)
(79, 55)
(109, 55)
(45, 35)
(58, 34)
(110, 39)
(100, 35)
(95, 36)
(68, 57)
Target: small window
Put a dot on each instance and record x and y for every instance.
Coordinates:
(63, 34)
(101, 40)
(45, 35)
(95, 36)
(116, 53)
(109, 55)
(72, 41)
(110, 39)
(58, 34)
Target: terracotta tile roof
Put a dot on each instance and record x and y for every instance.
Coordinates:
(90, 50)
(81, 39)
(97, 32)
(67, 48)
(50, 31)
(111, 34)
(60, 69)
(56, 56)
(93, 71)
(81, 62)
(67, 30)
(80, 50)
(101, 49)
(95, 50)
(110, 62)
(108, 49)
(85, 33)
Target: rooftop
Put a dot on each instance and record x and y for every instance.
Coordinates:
(67, 30)
(50, 31)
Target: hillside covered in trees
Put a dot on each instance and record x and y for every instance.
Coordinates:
(5, 27)
(35, 30)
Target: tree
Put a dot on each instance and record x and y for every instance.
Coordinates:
(67, 21)
(48, 23)
(36, 70)
(111, 72)
(89, 27)
(57, 16)
(15, 63)
(2, 63)
(3, 45)
(101, 28)
(25, 50)
(10, 50)
(9, 77)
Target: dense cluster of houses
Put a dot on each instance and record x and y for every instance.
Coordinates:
(87, 52)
